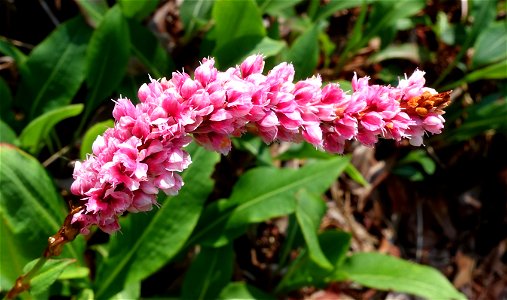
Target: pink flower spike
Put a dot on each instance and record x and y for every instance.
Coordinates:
(144, 154)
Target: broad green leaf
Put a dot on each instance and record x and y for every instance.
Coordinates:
(106, 58)
(90, 136)
(235, 19)
(494, 71)
(6, 113)
(55, 69)
(31, 210)
(490, 45)
(241, 290)
(304, 150)
(261, 194)
(93, 11)
(304, 52)
(47, 275)
(147, 48)
(7, 135)
(194, 14)
(276, 7)
(209, 273)
(238, 29)
(268, 47)
(309, 212)
(390, 273)
(150, 240)
(303, 271)
(33, 135)
(238, 49)
(138, 9)
(483, 14)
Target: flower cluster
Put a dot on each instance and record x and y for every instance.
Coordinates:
(143, 153)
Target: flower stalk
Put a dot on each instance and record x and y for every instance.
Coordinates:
(67, 233)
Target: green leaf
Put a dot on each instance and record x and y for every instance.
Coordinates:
(304, 52)
(150, 240)
(333, 6)
(208, 273)
(345, 85)
(238, 29)
(31, 210)
(85, 294)
(129, 86)
(90, 136)
(93, 11)
(138, 9)
(9, 49)
(234, 19)
(268, 47)
(483, 14)
(390, 273)
(354, 173)
(238, 49)
(47, 275)
(495, 71)
(490, 45)
(7, 135)
(131, 291)
(309, 212)
(261, 194)
(6, 113)
(387, 13)
(276, 7)
(303, 271)
(55, 69)
(404, 51)
(419, 158)
(106, 57)
(304, 150)
(33, 135)
(147, 48)
(12, 260)
(241, 290)
(74, 272)
(194, 14)
(487, 115)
